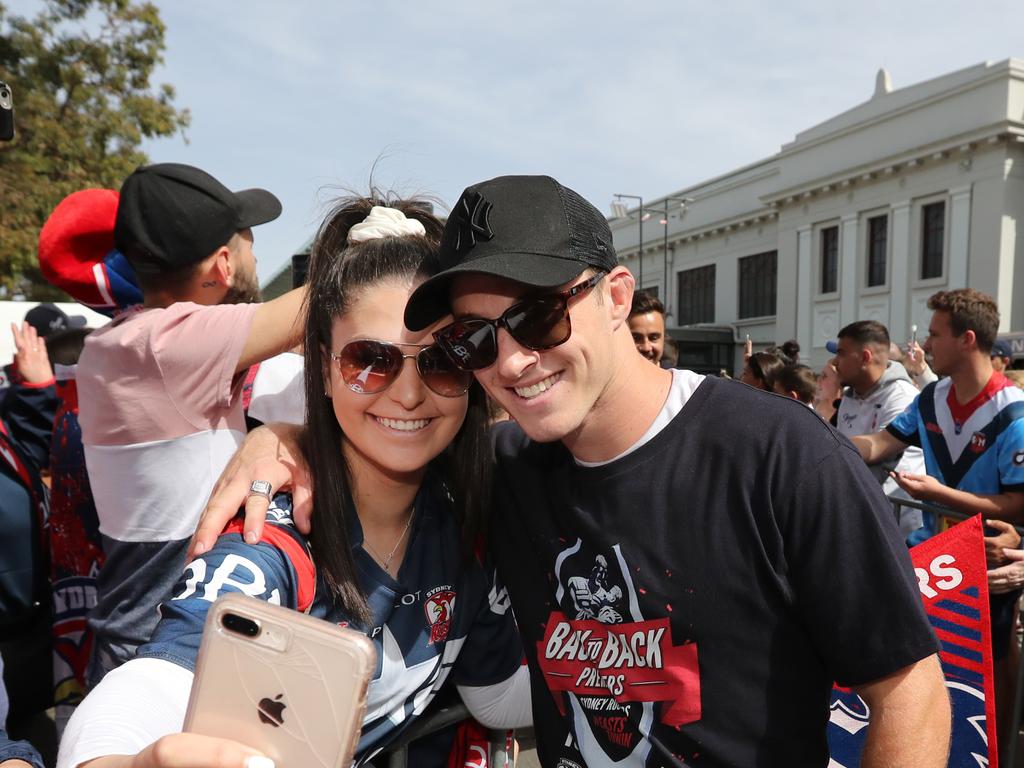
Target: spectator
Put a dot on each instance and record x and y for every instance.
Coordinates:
(160, 387)
(45, 319)
(399, 458)
(25, 430)
(970, 426)
(1001, 355)
(798, 382)
(761, 369)
(647, 324)
(876, 391)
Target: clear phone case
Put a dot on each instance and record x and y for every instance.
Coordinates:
(291, 686)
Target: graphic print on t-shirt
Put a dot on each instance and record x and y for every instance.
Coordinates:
(607, 666)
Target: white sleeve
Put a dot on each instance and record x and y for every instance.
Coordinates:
(502, 705)
(133, 706)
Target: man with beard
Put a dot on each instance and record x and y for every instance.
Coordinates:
(160, 386)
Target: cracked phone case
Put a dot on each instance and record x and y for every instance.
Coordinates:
(287, 684)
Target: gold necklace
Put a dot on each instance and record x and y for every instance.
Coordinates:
(386, 562)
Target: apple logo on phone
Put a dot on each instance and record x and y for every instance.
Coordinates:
(271, 711)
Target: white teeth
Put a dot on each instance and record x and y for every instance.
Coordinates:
(535, 389)
(404, 426)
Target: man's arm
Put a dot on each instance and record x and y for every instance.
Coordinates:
(878, 446)
(1008, 505)
(909, 721)
(276, 327)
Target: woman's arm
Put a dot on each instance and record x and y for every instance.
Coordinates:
(502, 705)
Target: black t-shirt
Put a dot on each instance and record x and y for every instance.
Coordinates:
(694, 600)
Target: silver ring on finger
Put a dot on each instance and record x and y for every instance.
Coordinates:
(260, 488)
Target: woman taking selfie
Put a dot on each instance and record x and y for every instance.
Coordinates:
(399, 456)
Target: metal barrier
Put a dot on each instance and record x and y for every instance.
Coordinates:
(397, 754)
(1010, 740)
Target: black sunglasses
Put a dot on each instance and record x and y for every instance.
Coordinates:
(369, 366)
(538, 323)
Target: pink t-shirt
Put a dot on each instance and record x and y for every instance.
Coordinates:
(161, 415)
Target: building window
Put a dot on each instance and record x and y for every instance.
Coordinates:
(878, 242)
(757, 284)
(933, 237)
(696, 296)
(829, 259)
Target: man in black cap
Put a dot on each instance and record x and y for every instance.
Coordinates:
(160, 388)
(692, 563)
(1001, 355)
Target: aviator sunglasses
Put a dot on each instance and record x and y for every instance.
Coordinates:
(369, 366)
(538, 323)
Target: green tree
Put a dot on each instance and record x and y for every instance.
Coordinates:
(80, 73)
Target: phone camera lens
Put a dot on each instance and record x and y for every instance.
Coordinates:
(240, 625)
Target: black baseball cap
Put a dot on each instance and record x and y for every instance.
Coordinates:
(172, 215)
(529, 229)
(48, 318)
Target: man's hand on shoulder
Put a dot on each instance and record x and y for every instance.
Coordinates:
(270, 453)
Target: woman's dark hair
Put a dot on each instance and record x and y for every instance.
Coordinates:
(765, 366)
(798, 378)
(339, 271)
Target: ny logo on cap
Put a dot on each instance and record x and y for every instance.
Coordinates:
(471, 219)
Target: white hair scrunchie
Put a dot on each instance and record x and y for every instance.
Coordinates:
(384, 222)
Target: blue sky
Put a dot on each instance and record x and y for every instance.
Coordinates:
(303, 98)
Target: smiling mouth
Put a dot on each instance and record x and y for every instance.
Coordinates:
(527, 393)
(403, 425)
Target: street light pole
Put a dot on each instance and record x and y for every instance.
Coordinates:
(664, 221)
(640, 236)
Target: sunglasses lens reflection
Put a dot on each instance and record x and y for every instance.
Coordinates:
(440, 374)
(369, 366)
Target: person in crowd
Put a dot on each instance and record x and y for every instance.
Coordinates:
(647, 326)
(760, 370)
(1001, 354)
(970, 426)
(399, 510)
(876, 390)
(25, 429)
(159, 388)
(828, 394)
(46, 319)
(660, 515)
(797, 382)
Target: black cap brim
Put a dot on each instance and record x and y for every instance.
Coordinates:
(256, 206)
(431, 300)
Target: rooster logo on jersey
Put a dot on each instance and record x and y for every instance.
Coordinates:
(439, 607)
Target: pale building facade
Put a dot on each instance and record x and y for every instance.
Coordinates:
(861, 217)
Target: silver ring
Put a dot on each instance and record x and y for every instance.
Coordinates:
(260, 488)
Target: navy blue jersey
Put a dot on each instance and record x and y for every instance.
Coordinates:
(439, 619)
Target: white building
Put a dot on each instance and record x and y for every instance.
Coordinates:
(861, 217)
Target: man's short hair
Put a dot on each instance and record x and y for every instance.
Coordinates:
(798, 378)
(644, 302)
(969, 310)
(866, 332)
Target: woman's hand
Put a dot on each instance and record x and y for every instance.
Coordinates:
(270, 453)
(187, 750)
